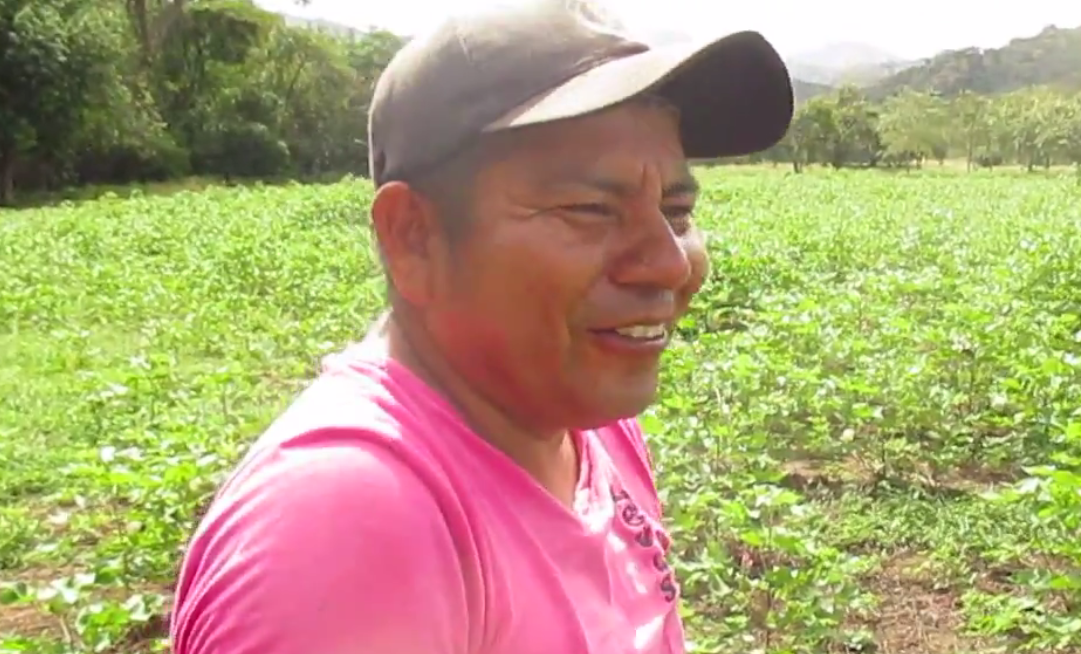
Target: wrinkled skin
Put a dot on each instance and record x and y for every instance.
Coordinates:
(576, 227)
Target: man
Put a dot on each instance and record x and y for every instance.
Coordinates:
(471, 479)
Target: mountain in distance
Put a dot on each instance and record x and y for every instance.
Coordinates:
(324, 26)
(844, 54)
(1052, 57)
(846, 62)
(804, 91)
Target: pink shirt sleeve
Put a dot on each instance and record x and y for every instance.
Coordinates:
(332, 549)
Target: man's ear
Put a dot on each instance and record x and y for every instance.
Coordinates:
(406, 231)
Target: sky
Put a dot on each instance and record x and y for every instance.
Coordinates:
(908, 29)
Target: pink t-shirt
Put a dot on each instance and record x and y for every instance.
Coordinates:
(369, 519)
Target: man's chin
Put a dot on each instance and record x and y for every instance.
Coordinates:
(621, 403)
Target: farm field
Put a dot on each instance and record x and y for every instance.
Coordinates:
(869, 438)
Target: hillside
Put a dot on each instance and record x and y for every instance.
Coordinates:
(321, 25)
(1052, 57)
(845, 62)
(804, 91)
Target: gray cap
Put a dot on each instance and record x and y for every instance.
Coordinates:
(527, 62)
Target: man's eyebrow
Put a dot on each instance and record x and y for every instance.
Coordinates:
(685, 184)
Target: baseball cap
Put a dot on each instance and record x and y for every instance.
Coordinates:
(513, 64)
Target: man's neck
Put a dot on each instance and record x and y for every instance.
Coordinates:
(551, 459)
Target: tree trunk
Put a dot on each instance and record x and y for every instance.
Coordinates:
(141, 22)
(7, 177)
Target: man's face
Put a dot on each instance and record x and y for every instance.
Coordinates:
(579, 259)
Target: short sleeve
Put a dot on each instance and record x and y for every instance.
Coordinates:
(335, 549)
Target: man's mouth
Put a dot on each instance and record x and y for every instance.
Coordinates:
(656, 332)
(643, 339)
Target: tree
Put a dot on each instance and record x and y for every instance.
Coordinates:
(969, 125)
(115, 91)
(914, 126)
(57, 55)
(108, 91)
(1026, 125)
(854, 137)
(812, 133)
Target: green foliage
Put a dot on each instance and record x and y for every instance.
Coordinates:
(116, 92)
(1049, 613)
(915, 125)
(867, 438)
(57, 55)
(97, 92)
(1033, 127)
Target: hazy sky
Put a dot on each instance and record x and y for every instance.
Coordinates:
(912, 28)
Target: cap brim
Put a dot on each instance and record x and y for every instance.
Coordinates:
(734, 93)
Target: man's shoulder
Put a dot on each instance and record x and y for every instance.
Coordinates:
(361, 399)
(357, 392)
(322, 466)
(306, 541)
(360, 428)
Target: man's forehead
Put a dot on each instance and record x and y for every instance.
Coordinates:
(675, 180)
(625, 176)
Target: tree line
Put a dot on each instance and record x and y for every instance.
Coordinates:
(1035, 126)
(122, 91)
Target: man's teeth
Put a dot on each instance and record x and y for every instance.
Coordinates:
(645, 332)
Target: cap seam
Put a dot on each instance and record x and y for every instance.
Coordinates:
(462, 44)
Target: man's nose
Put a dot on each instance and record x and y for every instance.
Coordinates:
(655, 255)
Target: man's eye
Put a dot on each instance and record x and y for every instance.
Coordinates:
(678, 212)
(680, 218)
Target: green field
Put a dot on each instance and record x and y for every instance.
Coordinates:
(872, 356)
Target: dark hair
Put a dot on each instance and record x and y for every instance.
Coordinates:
(450, 187)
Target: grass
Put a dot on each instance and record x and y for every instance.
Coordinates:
(849, 442)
